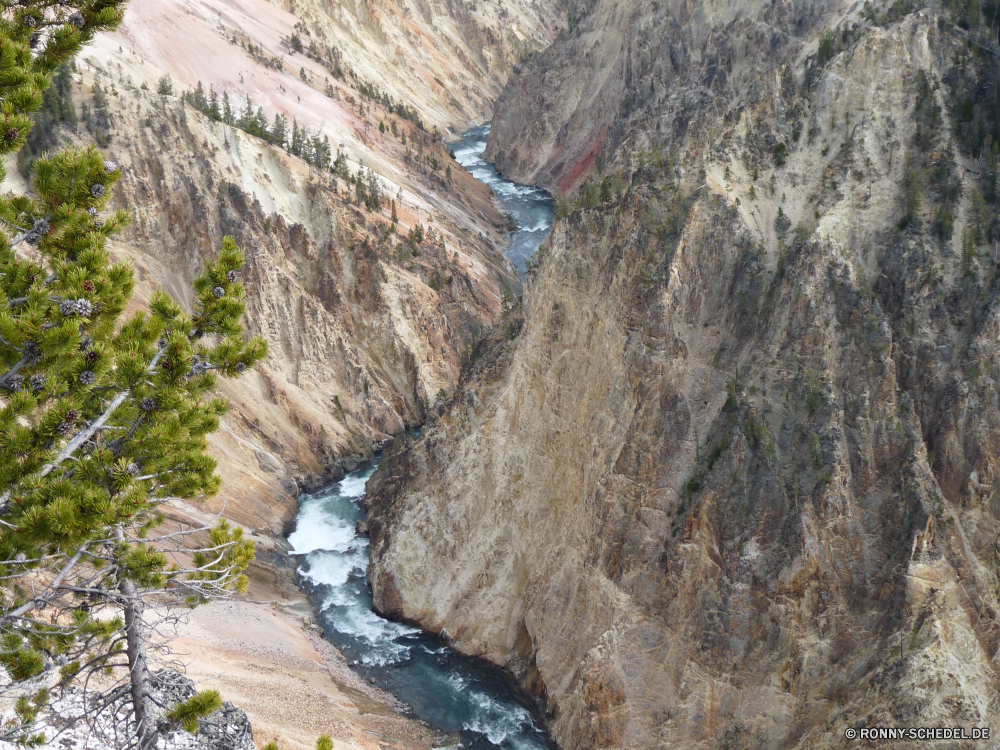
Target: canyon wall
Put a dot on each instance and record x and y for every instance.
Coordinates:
(728, 476)
(367, 330)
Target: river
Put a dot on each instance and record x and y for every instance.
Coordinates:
(441, 686)
(530, 206)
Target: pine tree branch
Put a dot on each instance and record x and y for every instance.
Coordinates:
(5, 342)
(13, 370)
(37, 599)
(84, 435)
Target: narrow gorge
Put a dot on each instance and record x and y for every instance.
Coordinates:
(631, 375)
(727, 475)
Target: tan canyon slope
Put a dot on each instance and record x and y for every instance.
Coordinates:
(361, 343)
(729, 484)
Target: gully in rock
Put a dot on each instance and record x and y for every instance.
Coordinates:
(452, 691)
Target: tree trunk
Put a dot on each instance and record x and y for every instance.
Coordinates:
(142, 703)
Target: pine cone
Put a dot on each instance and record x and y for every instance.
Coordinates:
(88, 377)
(148, 404)
(13, 382)
(231, 276)
(218, 292)
(88, 286)
(37, 382)
(31, 22)
(77, 20)
(241, 367)
(32, 353)
(34, 40)
(64, 428)
(97, 190)
(110, 166)
(83, 307)
(67, 307)
(71, 416)
(86, 343)
(134, 469)
(91, 357)
(12, 135)
(92, 211)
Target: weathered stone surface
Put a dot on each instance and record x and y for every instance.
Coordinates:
(727, 486)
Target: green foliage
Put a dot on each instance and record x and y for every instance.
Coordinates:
(313, 149)
(780, 154)
(968, 251)
(272, 745)
(198, 707)
(781, 223)
(815, 450)
(126, 398)
(827, 48)
(165, 87)
(562, 207)
(97, 118)
(324, 743)
(225, 560)
(21, 662)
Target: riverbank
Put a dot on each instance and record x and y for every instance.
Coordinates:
(267, 644)
(254, 652)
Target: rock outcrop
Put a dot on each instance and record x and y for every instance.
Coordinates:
(367, 329)
(62, 725)
(718, 482)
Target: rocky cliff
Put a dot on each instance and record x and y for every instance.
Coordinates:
(367, 324)
(729, 475)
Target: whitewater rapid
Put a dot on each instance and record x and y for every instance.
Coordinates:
(454, 692)
(530, 206)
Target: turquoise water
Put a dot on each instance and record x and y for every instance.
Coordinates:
(451, 691)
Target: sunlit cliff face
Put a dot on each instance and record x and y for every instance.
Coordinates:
(731, 480)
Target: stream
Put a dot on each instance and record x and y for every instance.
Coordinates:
(447, 689)
(530, 206)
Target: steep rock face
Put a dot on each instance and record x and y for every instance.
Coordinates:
(731, 484)
(577, 102)
(450, 58)
(365, 335)
(361, 344)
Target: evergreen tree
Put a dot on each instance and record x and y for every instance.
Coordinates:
(296, 147)
(247, 116)
(228, 116)
(101, 419)
(197, 99)
(57, 110)
(278, 130)
(98, 120)
(213, 105)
